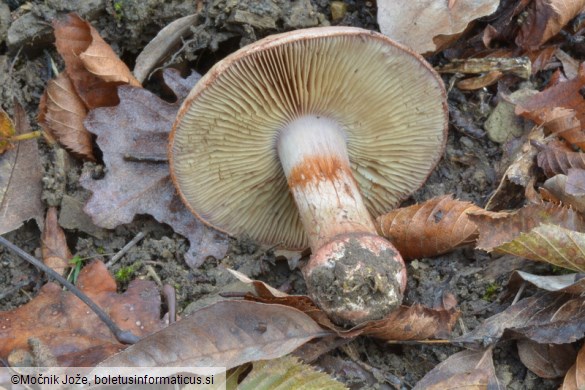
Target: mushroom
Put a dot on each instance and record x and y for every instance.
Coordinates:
(298, 139)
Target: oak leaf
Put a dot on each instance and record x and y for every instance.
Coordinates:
(54, 249)
(133, 138)
(20, 180)
(463, 370)
(545, 18)
(61, 114)
(70, 330)
(94, 68)
(224, 334)
(436, 22)
(432, 228)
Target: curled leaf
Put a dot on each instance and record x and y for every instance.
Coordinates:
(575, 378)
(54, 247)
(556, 187)
(61, 114)
(429, 229)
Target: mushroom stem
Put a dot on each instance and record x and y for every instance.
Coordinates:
(354, 275)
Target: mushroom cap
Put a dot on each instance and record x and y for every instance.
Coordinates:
(387, 99)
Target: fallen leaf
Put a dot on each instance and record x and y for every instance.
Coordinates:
(287, 373)
(133, 139)
(6, 131)
(432, 228)
(92, 65)
(555, 159)
(225, 334)
(567, 283)
(54, 249)
(575, 182)
(557, 186)
(546, 318)
(424, 25)
(70, 329)
(406, 323)
(463, 370)
(496, 228)
(546, 360)
(575, 378)
(61, 114)
(20, 180)
(545, 18)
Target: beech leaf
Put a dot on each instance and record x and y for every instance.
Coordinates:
(463, 370)
(549, 317)
(545, 18)
(567, 283)
(287, 373)
(61, 114)
(133, 138)
(575, 378)
(225, 334)
(20, 180)
(557, 186)
(70, 330)
(546, 360)
(433, 20)
(54, 247)
(554, 160)
(432, 228)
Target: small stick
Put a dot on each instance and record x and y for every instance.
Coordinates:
(519, 293)
(125, 249)
(418, 342)
(123, 336)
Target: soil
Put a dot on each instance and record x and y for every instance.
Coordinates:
(468, 170)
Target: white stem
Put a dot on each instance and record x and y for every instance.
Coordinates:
(313, 154)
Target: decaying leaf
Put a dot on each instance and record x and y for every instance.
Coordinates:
(61, 114)
(20, 180)
(575, 378)
(287, 373)
(560, 109)
(434, 227)
(554, 159)
(546, 360)
(133, 139)
(545, 18)
(545, 318)
(225, 334)
(435, 21)
(406, 323)
(463, 370)
(558, 187)
(54, 247)
(6, 131)
(92, 65)
(70, 330)
(567, 283)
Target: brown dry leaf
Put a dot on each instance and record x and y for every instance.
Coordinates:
(432, 228)
(88, 59)
(555, 159)
(546, 318)
(61, 114)
(556, 187)
(54, 249)
(6, 131)
(545, 19)
(497, 228)
(546, 360)
(463, 370)
(406, 323)
(567, 283)
(575, 378)
(70, 329)
(20, 180)
(133, 139)
(225, 334)
(435, 21)
(575, 182)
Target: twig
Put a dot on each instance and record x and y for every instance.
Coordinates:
(171, 298)
(125, 249)
(123, 336)
(519, 293)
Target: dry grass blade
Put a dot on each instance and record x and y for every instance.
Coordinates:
(54, 247)
(429, 229)
(62, 113)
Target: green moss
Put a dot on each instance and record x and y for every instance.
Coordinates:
(126, 273)
(490, 292)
